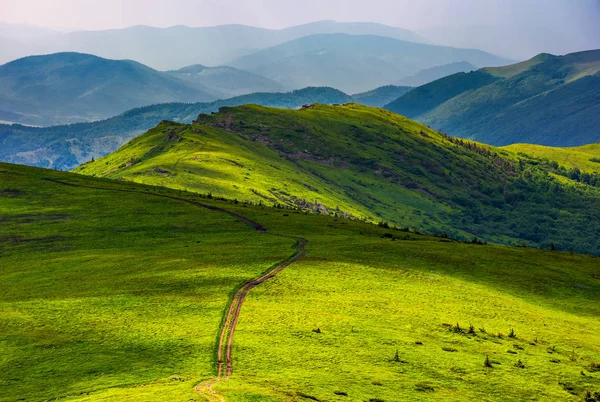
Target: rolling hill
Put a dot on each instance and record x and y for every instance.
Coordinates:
(73, 87)
(548, 100)
(364, 163)
(226, 82)
(353, 63)
(67, 146)
(154, 47)
(117, 291)
(585, 158)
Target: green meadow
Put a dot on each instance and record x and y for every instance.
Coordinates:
(585, 158)
(104, 289)
(114, 292)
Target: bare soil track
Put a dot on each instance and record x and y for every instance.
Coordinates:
(229, 323)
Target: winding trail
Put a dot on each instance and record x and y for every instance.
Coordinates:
(224, 354)
(229, 324)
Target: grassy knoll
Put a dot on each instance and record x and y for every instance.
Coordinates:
(103, 289)
(364, 162)
(585, 158)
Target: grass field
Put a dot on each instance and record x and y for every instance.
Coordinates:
(371, 296)
(117, 295)
(585, 158)
(104, 289)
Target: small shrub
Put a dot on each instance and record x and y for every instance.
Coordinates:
(418, 343)
(424, 387)
(471, 330)
(457, 329)
(396, 356)
(519, 364)
(317, 331)
(512, 334)
(305, 396)
(487, 362)
(594, 367)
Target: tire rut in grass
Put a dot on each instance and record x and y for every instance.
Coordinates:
(225, 342)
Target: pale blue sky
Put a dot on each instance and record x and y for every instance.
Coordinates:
(530, 25)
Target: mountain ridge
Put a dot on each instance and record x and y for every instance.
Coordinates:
(353, 63)
(547, 100)
(365, 163)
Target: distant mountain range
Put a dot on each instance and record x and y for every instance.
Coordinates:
(65, 147)
(226, 82)
(354, 63)
(548, 100)
(72, 87)
(175, 47)
(63, 88)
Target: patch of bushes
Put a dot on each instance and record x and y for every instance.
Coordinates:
(424, 387)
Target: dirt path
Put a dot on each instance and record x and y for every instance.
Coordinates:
(225, 343)
(224, 354)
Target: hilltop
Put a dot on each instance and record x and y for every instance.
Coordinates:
(67, 146)
(548, 100)
(364, 163)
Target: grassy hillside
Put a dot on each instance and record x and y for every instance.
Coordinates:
(365, 163)
(429, 96)
(585, 158)
(115, 293)
(113, 286)
(548, 100)
(354, 63)
(65, 147)
(73, 87)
